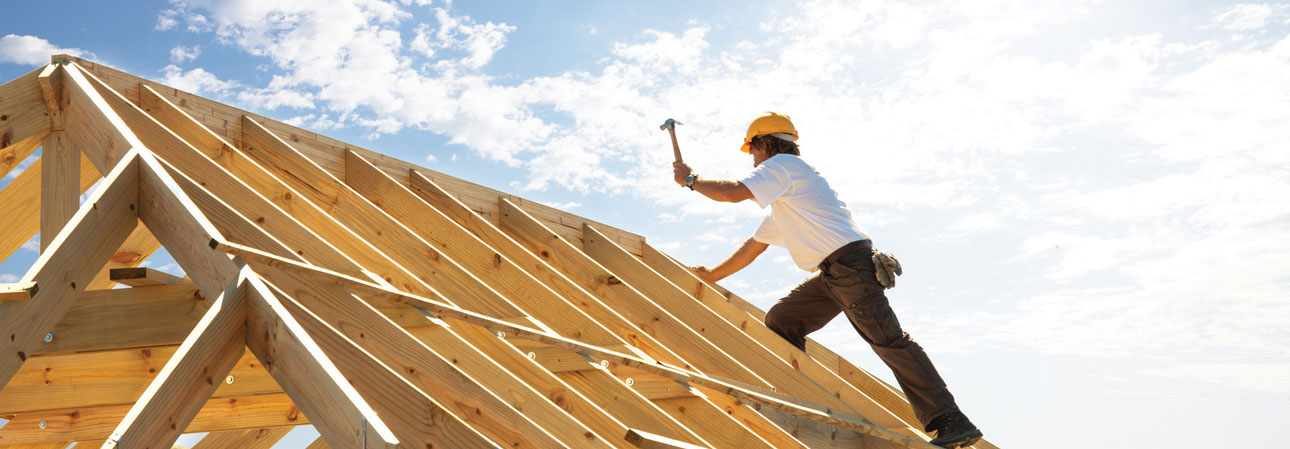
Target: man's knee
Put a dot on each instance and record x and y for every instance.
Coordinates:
(787, 328)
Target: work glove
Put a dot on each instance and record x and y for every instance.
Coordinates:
(886, 268)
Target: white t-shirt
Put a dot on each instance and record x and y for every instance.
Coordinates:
(805, 216)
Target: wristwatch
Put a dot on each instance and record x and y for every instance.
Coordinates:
(689, 181)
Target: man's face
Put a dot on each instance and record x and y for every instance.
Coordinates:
(758, 153)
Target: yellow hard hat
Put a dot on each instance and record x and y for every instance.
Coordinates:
(768, 123)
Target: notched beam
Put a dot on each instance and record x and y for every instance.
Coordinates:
(20, 291)
(143, 277)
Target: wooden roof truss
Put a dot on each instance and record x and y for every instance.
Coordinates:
(385, 304)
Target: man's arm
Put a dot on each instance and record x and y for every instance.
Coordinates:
(737, 261)
(716, 189)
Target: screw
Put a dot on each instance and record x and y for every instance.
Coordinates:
(604, 364)
(42, 424)
(229, 379)
(49, 337)
(532, 356)
(630, 381)
(501, 334)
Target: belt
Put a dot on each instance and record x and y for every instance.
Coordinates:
(858, 245)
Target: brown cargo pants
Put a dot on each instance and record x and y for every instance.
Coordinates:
(848, 285)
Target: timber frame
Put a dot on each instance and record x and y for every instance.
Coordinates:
(383, 303)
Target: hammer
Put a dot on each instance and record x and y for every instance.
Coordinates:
(670, 126)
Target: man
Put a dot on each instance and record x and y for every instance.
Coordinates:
(807, 217)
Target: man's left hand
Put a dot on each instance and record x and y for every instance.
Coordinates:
(679, 171)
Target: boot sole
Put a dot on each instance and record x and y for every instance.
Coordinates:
(965, 441)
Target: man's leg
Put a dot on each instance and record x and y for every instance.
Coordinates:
(852, 284)
(806, 309)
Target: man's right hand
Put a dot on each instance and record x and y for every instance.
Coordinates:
(705, 273)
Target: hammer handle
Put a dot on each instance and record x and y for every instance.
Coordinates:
(676, 149)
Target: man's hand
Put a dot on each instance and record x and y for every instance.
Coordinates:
(679, 171)
(705, 273)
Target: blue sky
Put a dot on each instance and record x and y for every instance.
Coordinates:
(1090, 199)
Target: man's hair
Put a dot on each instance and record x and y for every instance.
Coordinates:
(775, 145)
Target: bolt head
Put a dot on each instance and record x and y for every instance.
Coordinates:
(229, 380)
(42, 424)
(49, 337)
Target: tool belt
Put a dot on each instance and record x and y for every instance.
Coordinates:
(885, 265)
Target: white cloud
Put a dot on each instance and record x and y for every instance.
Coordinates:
(9, 278)
(197, 81)
(180, 54)
(32, 244)
(1266, 377)
(1251, 16)
(32, 50)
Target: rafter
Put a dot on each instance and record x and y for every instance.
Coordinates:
(62, 272)
(243, 439)
(22, 106)
(189, 378)
(21, 221)
(14, 153)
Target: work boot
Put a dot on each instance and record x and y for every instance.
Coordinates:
(953, 430)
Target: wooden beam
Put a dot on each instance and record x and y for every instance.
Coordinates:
(416, 418)
(569, 311)
(591, 385)
(59, 185)
(695, 343)
(96, 423)
(182, 228)
(277, 209)
(143, 277)
(51, 86)
(23, 112)
(243, 439)
(433, 375)
(299, 365)
(20, 291)
(57, 445)
(189, 378)
(646, 440)
(90, 123)
(114, 377)
(386, 234)
(63, 271)
(319, 443)
(18, 217)
(14, 153)
(127, 318)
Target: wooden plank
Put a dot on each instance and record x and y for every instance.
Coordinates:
(319, 443)
(19, 291)
(416, 418)
(62, 272)
(90, 124)
(189, 378)
(582, 316)
(243, 439)
(96, 423)
(143, 277)
(59, 185)
(259, 196)
(438, 271)
(51, 88)
(432, 374)
(23, 112)
(127, 318)
(14, 153)
(696, 343)
(114, 377)
(298, 364)
(487, 325)
(18, 216)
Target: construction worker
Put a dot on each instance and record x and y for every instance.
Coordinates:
(807, 217)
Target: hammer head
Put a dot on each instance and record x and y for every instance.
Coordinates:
(670, 124)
